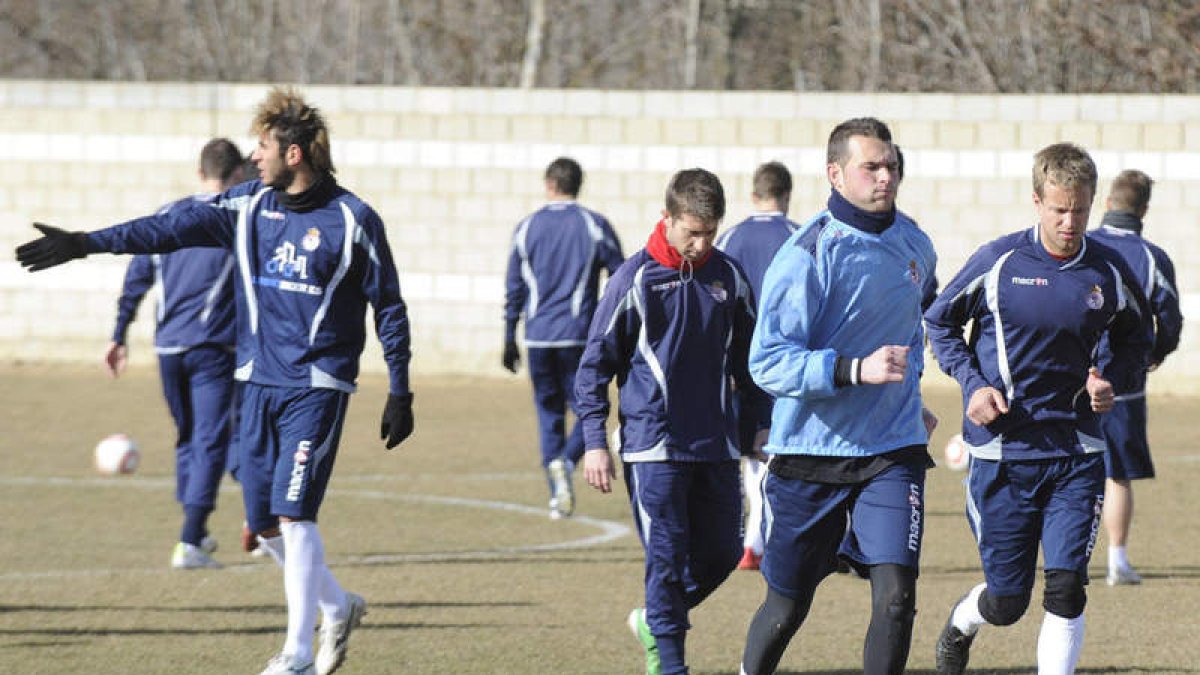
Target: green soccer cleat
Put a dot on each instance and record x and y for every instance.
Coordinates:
(641, 631)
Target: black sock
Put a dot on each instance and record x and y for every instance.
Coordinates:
(771, 629)
(893, 607)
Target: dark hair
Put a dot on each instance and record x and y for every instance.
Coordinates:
(294, 122)
(1130, 192)
(899, 163)
(698, 193)
(220, 159)
(837, 151)
(566, 176)
(772, 181)
(1066, 165)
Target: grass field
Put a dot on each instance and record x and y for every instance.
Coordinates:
(447, 538)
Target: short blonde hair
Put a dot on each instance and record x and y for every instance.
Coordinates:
(285, 114)
(1066, 165)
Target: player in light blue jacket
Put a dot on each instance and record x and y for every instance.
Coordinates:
(194, 338)
(310, 257)
(838, 344)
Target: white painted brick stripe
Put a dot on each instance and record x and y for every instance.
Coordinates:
(807, 161)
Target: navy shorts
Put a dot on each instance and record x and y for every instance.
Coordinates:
(1012, 506)
(1128, 456)
(288, 440)
(805, 526)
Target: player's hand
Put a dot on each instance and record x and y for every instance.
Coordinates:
(930, 420)
(397, 420)
(55, 247)
(986, 405)
(598, 469)
(1100, 390)
(115, 358)
(886, 364)
(512, 356)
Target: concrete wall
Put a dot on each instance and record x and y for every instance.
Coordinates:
(452, 170)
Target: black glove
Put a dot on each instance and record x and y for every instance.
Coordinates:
(54, 248)
(397, 420)
(512, 355)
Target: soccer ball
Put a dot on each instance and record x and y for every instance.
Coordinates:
(117, 454)
(956, 453)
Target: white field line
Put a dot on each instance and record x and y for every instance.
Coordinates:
(608, 530)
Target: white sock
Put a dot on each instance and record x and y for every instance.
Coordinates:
(752, 476)
(1059, 644)
(273, 546)
(966, 616)
(1117, 558)
(302, 576)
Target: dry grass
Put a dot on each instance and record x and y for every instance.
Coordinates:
(461, 586)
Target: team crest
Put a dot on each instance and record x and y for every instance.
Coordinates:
(1095, 298)
(717, 290)
(311, 240)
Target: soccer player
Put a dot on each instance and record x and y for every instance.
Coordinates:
(310, 256)
(194, 338)
(838, 344)
(553, 276)
(673, 327)
(1128, 456)
(1040, 300)
(753, 243)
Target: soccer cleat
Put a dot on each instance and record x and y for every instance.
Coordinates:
(189, 557)
(335, 635)
(1123, 576)
(953, 650)
(286, 664)
(555, 514)
(564, 493)
(641, 631)
(208, 544)
(750, 560)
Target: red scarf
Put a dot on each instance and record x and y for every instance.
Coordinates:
(661, 250)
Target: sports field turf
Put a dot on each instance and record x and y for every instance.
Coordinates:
(447, 538)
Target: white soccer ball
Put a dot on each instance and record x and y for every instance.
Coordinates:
(117, 454)
(956, 453)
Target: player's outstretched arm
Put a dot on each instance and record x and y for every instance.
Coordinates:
(55, 247)
(397, 423)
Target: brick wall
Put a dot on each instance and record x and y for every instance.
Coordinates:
(452, 170)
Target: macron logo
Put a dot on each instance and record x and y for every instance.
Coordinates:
(1030, 281)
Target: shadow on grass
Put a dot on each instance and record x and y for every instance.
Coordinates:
(241, 630)
(1024, 670)
(241, 609)
(1110, 670)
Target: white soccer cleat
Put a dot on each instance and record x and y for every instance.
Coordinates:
(208, 544)
(335, 635)
(563, 502)
(286, 664)
(1123, 576)
(189, 557)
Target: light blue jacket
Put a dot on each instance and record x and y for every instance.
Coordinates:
(836, 290)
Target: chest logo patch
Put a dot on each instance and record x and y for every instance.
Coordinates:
(311, 240)
(1095, 298)
(717, 290)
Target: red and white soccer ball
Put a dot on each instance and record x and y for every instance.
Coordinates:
(117, 454)
(956, 453)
